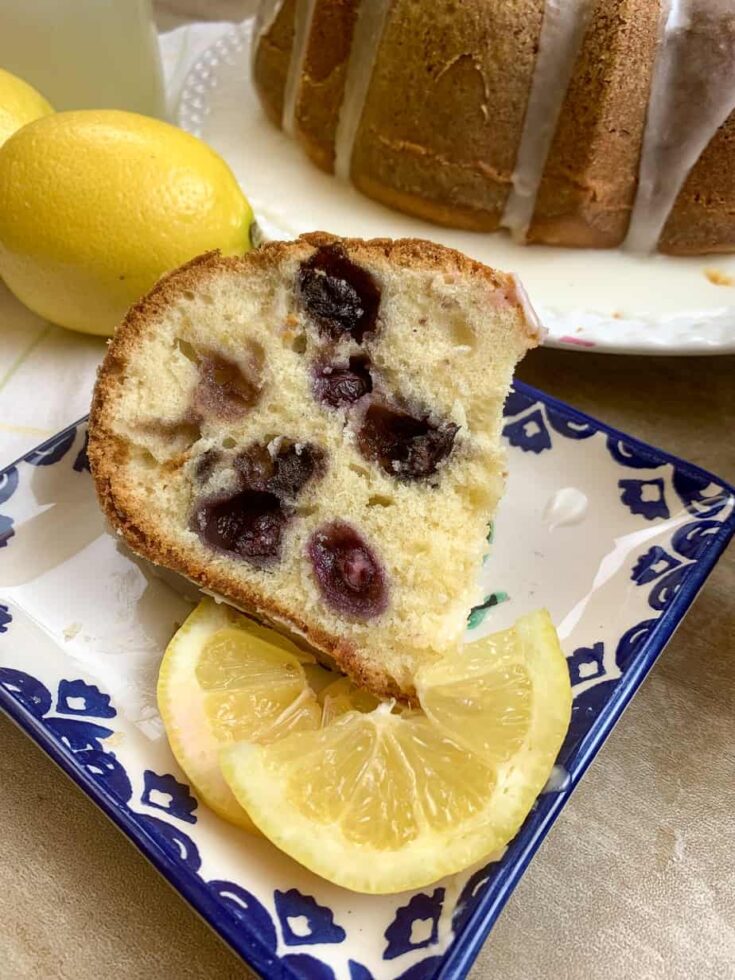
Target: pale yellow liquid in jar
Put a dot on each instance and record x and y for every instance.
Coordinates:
(85, 54)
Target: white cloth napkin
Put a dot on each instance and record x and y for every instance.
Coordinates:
(47, 373)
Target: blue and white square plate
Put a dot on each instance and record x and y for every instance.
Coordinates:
(614, 537)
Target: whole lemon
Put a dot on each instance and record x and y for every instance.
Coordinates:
(96, 205)
(19, 104)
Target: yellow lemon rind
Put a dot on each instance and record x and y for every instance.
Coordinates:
(178, 698)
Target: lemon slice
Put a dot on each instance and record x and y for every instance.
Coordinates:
(224, 678)
(506, 696)
(341, 696)
(384, 802)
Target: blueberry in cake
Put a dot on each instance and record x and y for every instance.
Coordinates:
(312, 432)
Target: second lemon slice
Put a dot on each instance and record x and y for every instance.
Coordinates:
(224, 679)
(383, 802)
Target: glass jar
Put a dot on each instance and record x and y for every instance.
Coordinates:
(85, 54)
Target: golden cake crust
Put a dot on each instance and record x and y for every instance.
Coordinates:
(589, 180)
(701, 219)
(271, 60)
(322, 82)
(443, 115)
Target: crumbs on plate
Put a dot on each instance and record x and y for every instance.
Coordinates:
(719, 278)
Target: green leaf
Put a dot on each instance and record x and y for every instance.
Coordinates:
(478, 613)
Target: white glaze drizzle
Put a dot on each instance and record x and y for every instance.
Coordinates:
(302, 28)
(268, 10)
(366, 38)
(565, 507)
(686, 76)
(559, 780)
(533, 322)
(562, 30)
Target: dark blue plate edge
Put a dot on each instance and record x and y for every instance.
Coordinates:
(461, 953)
(463, 950)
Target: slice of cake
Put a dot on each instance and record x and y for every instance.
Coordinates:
(312, 432)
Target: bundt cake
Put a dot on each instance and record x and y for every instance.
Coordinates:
(312, 432)
(591, 123)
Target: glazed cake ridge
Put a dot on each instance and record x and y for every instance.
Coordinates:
(526, 114)
(312, 432)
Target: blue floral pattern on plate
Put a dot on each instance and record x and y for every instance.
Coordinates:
(95, 714)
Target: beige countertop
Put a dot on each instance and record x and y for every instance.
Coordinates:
(634, 881)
